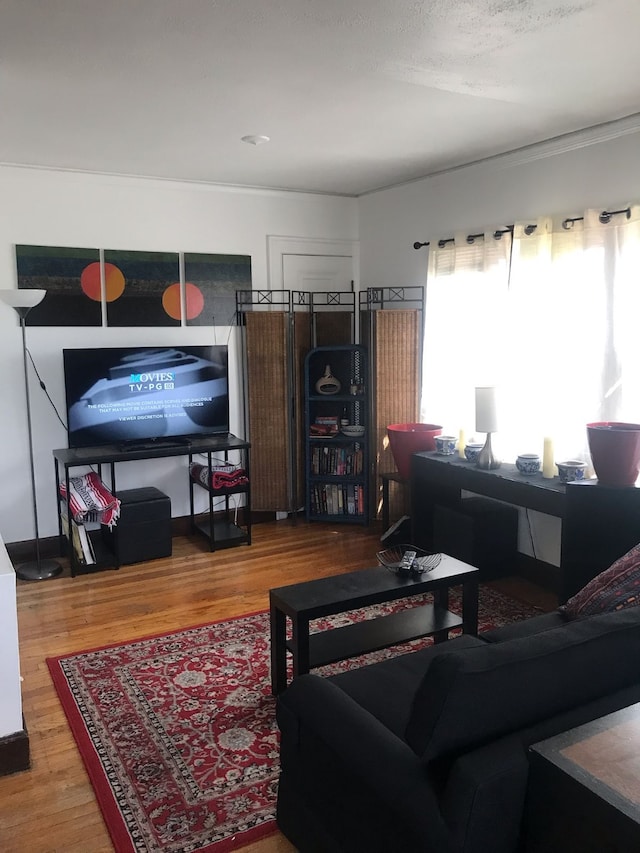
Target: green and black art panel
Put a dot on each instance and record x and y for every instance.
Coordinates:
(142, 288)
(71, 278)
(211, 283)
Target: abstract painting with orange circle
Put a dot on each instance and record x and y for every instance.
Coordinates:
(136, 285)
(211, 284)
(71, 278)
(131, 288)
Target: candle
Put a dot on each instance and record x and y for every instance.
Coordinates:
(548, 464)
(462, 441)
(486, 410)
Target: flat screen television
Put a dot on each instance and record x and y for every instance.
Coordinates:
(127, 395)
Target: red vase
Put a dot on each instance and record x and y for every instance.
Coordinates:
(405, 439)
(615, 452)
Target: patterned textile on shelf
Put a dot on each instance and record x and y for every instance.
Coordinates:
(90, 500)
(224, 477)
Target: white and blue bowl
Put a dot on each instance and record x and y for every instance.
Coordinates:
(571, 470)
(472, 451)
(528, 463)
(446, 444)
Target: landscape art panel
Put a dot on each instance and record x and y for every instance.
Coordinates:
(211, 284)
(142, 288)
(71, 277)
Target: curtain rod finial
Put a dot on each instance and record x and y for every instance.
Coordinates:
(417, 245)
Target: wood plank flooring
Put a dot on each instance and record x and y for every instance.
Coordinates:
(51, 808)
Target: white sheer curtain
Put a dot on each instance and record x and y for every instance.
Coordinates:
(465, 311)
(555, 330)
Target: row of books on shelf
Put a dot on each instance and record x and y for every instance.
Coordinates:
(337, 499)
(341, 461)
(81, 541)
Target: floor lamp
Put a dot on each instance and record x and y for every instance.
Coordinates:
(22, 301)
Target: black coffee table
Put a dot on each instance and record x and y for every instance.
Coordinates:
(302, 602)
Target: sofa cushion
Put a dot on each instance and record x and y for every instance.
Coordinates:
(470, 697)
(614, 589)
(524, 627)
(386, 689)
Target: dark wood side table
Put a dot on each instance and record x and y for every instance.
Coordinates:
(584, 788)
(302, 602)
(599, 523)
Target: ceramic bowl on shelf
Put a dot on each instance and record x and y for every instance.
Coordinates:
(572, 469)
(472, 450)
(446, 444)
(528, 463)
(353, 431)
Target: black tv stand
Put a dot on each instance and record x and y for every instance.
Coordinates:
(222, 527)
(153, 444)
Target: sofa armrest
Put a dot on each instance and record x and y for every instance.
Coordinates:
(482, 784)
(383, 764)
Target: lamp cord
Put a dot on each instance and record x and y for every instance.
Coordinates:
(533, 544)
(44, 388)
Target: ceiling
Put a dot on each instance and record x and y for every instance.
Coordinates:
(355, 95)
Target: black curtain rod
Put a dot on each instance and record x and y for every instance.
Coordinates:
(604, 218)
(471, 238)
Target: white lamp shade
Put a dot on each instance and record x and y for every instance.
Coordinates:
(26, 298)
(486, 410)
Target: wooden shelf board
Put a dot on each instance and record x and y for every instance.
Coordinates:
(373, 634)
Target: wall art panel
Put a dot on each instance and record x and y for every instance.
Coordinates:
(142, 288)
(71, 278)
(211, 283)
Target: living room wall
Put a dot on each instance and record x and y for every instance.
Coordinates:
(598, 168)
(42, 207)
(53, 208)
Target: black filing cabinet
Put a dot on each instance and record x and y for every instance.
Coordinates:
(144, 527)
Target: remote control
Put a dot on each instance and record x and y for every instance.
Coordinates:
(406, 564)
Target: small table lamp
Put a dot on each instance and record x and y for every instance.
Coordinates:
(486, 421)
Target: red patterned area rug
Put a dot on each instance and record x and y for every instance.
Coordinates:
(178, 732)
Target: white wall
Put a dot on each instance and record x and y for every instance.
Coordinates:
(41, 207)
(10, 695)
(495, 193)
(68, 209)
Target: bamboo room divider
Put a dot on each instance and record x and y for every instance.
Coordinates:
(275, 345)
(394, 338)
(268, 398)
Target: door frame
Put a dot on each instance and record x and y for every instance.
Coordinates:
(278, 246)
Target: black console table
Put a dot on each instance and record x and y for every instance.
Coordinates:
(221, 535)
(599, 523)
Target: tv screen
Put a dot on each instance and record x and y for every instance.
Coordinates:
(121, 395)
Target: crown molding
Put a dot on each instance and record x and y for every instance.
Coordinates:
(551, 147)
(171, 183)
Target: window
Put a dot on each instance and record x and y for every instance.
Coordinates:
(549, 316)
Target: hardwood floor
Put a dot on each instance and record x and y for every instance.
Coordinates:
(51, 808)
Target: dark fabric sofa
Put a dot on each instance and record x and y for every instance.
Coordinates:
(428, 751)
